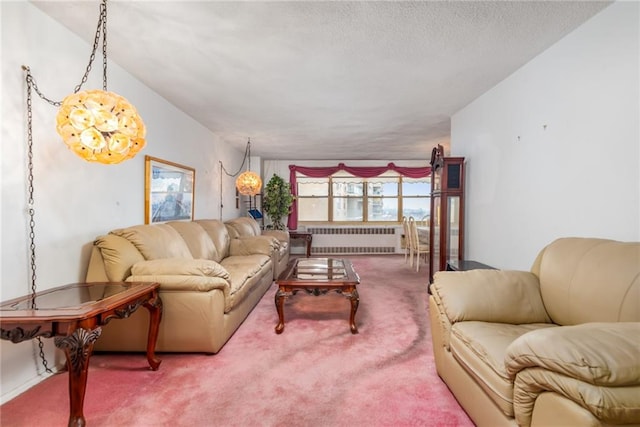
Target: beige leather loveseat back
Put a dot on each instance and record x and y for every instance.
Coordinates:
(589, 280)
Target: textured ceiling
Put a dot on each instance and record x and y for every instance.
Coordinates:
(325, 80)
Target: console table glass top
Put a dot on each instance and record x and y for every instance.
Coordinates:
(69, 297)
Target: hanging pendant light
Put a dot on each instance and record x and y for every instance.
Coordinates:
(97, 125)
(248, 183)
(100, 126)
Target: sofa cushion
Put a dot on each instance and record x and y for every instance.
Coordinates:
(155, 241)
(180, 266)
(118, 255)
(480, 348)
(244, 272)
(197, 239)
(219, 235)
(183, 282)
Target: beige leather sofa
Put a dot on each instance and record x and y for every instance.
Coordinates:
(209, 282)
(556, 346)
(242, 227)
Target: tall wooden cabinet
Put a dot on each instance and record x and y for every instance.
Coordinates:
(446, 238)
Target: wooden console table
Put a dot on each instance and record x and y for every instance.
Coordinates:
(74, 314)
(306, 235)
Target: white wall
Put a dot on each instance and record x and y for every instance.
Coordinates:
(76, 201)
(554, 150)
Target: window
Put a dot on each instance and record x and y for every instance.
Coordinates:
(415, 203)
(313, 199)
(346, 198)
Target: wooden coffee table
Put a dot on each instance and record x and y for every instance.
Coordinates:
(74, 314)
(318, 276)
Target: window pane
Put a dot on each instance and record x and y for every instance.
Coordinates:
(416, 186)
(417, 207)
(380, 209)
(313, 209)
(347, 209)
(348, 187)
(383, 187)
(313, 187)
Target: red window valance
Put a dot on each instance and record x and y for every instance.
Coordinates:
(359, 171)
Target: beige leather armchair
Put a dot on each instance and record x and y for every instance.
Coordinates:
(556, 346)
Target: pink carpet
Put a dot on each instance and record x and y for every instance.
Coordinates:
(315, 374)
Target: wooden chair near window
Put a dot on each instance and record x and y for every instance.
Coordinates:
(408, 247)
(418, 247)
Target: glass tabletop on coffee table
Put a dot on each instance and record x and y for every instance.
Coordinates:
(319, 269)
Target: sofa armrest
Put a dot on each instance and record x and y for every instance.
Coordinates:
(252, 245)
(593, 364)
(610, 405)
(490, 295)
(281, 235)
(602, 354)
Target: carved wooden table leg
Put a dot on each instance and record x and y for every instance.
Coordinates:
(77, 348)
(281, 295)
(154, 305)
(355, 301)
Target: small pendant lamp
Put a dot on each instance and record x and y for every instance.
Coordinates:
(248, 183)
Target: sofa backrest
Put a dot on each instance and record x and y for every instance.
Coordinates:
(155, 241)
(590, 280)
(114, 254)
(243, 226)
(219, 235)
(197, 239)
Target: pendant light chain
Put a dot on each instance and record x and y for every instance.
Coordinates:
(32, 222)
(31, 84)
(247, 154)
(103, 18)
(100, 30)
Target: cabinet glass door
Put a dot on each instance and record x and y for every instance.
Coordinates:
(436, 229)
(453, 227)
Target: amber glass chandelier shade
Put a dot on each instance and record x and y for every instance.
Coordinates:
(248, 183)
(100, 126)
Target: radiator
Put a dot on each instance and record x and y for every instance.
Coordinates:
(355, 240)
